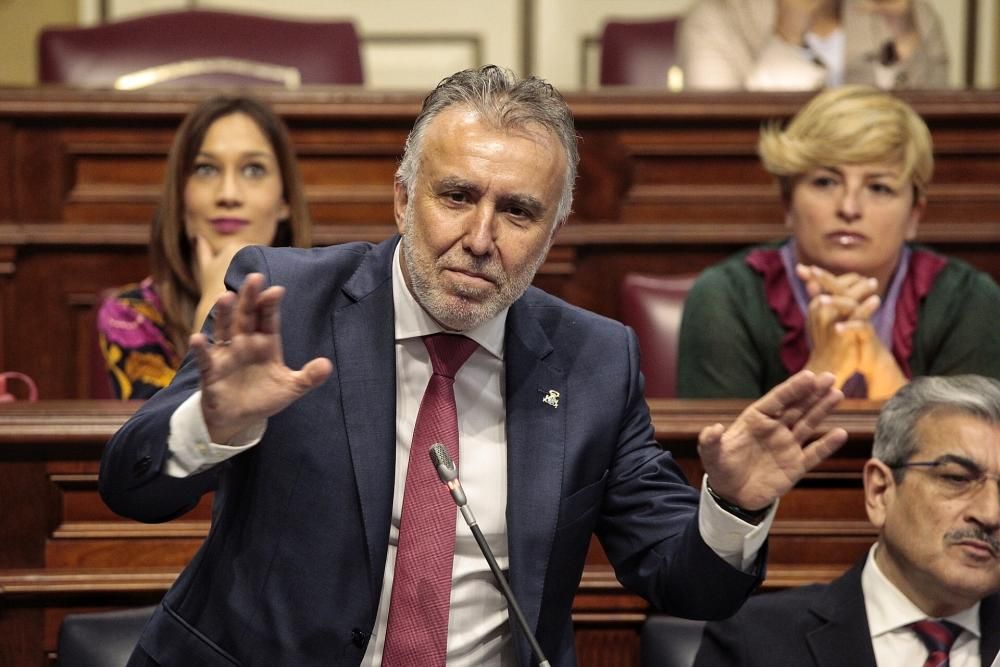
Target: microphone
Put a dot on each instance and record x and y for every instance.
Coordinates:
(449, 477)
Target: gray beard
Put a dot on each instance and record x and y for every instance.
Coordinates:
(454, 314)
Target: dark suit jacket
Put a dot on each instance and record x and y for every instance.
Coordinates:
(814, 626)
(292, 569)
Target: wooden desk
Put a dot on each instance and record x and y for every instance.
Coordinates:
(63, 550)
(669, 183)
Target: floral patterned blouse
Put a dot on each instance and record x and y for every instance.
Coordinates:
(140, 358)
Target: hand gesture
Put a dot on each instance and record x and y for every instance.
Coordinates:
(882, 374)
(211, 263)
(763, 454)
(244, 379)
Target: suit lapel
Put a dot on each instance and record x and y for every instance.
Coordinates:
(536, 433)
(366, 370)
(842, 638)
(989, 629)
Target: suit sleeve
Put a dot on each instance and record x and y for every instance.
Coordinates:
(133, 480)
(721, 645)
(649, 523)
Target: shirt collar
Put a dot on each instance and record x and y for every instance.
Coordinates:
(889, 609)
(412, 321)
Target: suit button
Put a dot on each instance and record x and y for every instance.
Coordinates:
(141, 466)
(359, 638)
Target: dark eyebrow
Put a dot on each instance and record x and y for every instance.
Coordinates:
(249, 154)
(531, 204)
(967, 463)
(455, 183)
(526, 202)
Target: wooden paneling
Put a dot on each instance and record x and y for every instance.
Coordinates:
(669, 183)
(64, 551)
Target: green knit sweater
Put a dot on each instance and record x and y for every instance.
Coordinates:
(730, 338)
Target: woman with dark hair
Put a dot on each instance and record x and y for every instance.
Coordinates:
(232, 181)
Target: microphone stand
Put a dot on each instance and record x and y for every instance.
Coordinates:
(449, 476)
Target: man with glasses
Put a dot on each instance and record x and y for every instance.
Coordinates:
(927, 592)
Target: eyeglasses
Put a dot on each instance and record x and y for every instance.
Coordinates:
(957, 475)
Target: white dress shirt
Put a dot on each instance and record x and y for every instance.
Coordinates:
(478, 628)
(889, 611)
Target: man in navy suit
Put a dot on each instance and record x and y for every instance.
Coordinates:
(932, 490)
(555, 437)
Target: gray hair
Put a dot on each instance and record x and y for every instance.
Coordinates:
(895, 432)
(507, 103)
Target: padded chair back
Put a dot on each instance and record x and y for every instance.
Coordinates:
(667, 641)
(100, 639)
(200, 48)
(652, 305)
(640, 53)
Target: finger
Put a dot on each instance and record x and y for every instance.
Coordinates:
(711, 436)
(867, 308)
(269, 309)
(823, 404)
(825, 309)
(314, 373)
(816, 452)
(222, 318)
(246, 304)
(198, 344)
(843, 306)
(861, 289)
(801, 386)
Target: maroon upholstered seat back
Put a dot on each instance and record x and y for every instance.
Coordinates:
(638, 53)
(652, 305)
(320, 52)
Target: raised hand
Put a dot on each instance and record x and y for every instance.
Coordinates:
(244, 379)
(764, 453)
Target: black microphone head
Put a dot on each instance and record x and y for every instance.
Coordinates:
(442, 463)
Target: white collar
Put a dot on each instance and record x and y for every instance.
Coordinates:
(888, 609)
(413, 321)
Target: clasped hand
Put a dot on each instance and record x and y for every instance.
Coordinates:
(838, 323)
(244, 379)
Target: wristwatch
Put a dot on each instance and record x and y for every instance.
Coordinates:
(750, 516)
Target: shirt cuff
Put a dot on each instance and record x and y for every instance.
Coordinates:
(784, 66)
(733, 540)
(191, 450)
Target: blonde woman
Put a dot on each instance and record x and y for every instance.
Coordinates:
(848, 292)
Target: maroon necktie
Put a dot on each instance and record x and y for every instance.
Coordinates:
(937, 636)
(417, 627)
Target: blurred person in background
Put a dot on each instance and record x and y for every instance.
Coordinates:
(808, 44)
(232, 181)
(848, 292)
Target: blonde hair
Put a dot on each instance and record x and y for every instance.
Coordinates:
(849, 125)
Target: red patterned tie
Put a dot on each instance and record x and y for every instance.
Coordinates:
(937, 636)
(417, 627)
